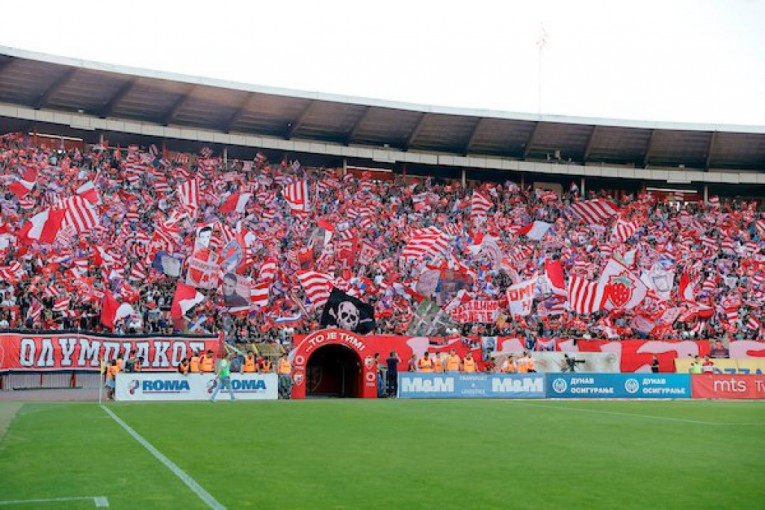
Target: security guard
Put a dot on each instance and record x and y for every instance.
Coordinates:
(425, 364)
(194, 363)
(468, 364)
(284, 369)
(250, 363)
(208, 362)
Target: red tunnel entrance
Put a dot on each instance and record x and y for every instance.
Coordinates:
(333, 371)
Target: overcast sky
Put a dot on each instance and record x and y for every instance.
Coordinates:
(697, 61)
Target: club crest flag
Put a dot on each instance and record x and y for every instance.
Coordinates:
(621, 287)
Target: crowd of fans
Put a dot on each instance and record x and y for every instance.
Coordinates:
(718, 247)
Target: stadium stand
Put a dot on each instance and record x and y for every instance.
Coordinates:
(110, 238)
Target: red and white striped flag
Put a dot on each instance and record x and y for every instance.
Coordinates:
(759, 225)
(753, 323)
(296, 195)
(267, 270)
(623, 230)
(80, 214)
(188, 194)
(89, 192)
(594, 212)
(317, 286)
(479, 206)
(12, 273)
(259, 294)
(714, 201)
(584, 297)
(61, 304)
(425, 242)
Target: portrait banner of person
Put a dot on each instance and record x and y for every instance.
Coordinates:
(231, 256)
(719, 348)
(202, 240)
(236, 291)
(488, 347)
(167, 264)
(349, 313)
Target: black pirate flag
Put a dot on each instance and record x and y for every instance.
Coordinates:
(347, 312)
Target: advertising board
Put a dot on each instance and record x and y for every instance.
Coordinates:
(159, 386)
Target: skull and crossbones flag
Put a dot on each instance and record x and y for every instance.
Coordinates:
(347, 312)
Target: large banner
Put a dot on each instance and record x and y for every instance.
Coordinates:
(637, 355)
(618, 386)
(437, 385)
(728, 386)
(727, 366)
(174, 386)
(73, 351)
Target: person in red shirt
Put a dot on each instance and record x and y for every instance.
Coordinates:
(708, 367)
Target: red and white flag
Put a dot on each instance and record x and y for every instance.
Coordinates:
(43, 226)
(594, 212)
(753, 323)
(259, 294)
(425, 242)
(622, 288)
(21, 188)
(686, 289)
(584, 297)
(296, 195)
(479, 205)
(520, 297)
(714, 201)
(186, 297)
(623, 230)
(61, 304)
(89, 192)
(236, 202)
(80, 214)
(188, 194)
(317, 286)
(535, 230)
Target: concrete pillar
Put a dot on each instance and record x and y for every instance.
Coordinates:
(464, 178)
(706, 193)
(581, 188)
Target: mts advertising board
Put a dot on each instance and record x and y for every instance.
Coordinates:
(618, 386)
(728, 386)
(159, 386)
(445, 385)
(73, 351)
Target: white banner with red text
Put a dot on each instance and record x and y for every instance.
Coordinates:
(74, 351)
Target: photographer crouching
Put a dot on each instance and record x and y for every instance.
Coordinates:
(569, 364)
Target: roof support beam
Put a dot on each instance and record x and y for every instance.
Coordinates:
(58, 83)
(355, 129)
(173, 111)
(710, 147)
(588, 148)
(473, 134)
(530, 141)
(123, 91)
(237, 115)
(416, 131)
(647, 156)
(295, 125)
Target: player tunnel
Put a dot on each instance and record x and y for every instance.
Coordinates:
(333, 371)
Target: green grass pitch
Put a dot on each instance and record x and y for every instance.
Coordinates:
(394, 454)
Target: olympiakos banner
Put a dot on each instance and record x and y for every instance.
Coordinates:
(520, 297)
(72, 351)
(476, 311)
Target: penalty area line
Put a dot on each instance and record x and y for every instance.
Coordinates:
(99, 501)
(185, 478)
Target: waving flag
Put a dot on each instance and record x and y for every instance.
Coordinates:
(479, 205)
(89, 192)
(425, 242)
(43, 226)
(584, 297)
(535, 230)
(594, 212)
(188, 194)
(317, 286)
(622, 288)
(236, 202)
(21, 188)
(80, 214)
(296, 195)
(520, 297)
(259, 294)
(185, 298)
(623, 230)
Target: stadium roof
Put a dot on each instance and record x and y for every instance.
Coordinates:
(52, 83)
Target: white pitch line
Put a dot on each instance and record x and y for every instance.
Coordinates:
(634, 415)
(190, 482)
(100, 501)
